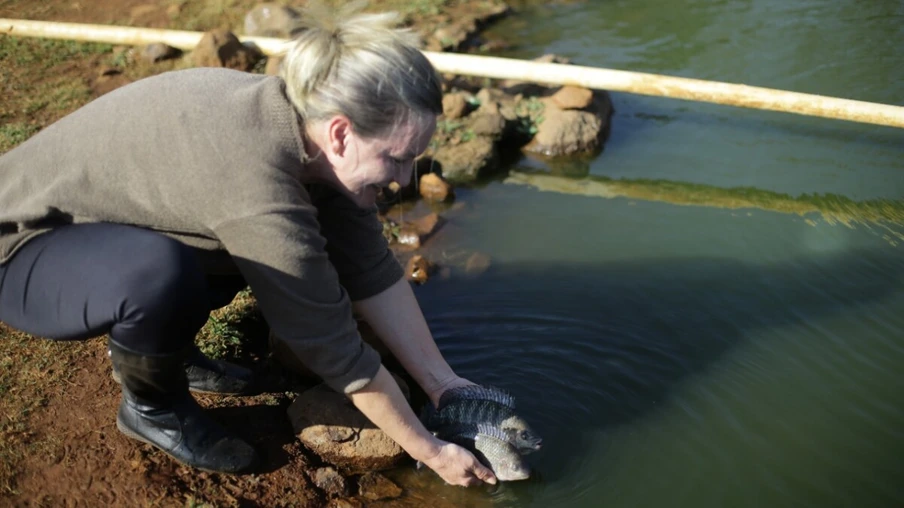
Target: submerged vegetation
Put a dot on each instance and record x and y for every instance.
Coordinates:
(833, 208)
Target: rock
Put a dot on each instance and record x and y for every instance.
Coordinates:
(330, 481)
(553, 58)
(274, 63)
(426, 225)
(344, 503)
(408, 237)
(455, 105)
(158, 52)
(109, 71)
(273, 20)
(528, 88)
(417, 269)
(451, 37)
(566, 131)
(477, 263)
(221, 48)
(496, 102)
(468, 160)
(573, 97)
(374, 486)
(434, 187)
(328, 424)
(487, 124)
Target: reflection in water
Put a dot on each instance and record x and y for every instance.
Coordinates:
(882, 213)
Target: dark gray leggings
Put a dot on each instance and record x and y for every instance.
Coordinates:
(148, 291)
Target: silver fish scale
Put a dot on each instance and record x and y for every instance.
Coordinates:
(491, 448)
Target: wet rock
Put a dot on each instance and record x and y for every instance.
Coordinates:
(328, 424)
(272, 20)
(374, 486)
(477, 263)
(221, 48)
(566, 131)
(435, 188)
(408, 237)
(573, 97)
(330, 481)
(455, 105)
(466, 161)
(274, 63)
(426, 225)
(417, 269)
(158, 52)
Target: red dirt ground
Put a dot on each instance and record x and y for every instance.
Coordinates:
(59, 445)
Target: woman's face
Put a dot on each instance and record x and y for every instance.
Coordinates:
(363, 166)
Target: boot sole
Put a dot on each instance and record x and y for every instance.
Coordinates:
(116, 378)
(132, 434)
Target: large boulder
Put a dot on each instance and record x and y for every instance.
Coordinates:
(464, 162)
(221, 48)
(571, 131)
(328, 424)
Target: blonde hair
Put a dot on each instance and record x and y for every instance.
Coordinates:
(359, 65)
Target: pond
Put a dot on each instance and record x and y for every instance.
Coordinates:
(710, 312)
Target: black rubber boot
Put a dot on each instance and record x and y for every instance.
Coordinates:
(206, 375)
(157, 409)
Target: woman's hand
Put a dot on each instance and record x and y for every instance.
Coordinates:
(457, 466)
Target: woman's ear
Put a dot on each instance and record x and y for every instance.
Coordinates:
(339, 132)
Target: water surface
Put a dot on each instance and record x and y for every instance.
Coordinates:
(718, 320)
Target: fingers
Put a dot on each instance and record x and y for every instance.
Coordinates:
(484, 474)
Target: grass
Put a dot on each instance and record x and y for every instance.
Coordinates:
(230, 330)
(38, 85)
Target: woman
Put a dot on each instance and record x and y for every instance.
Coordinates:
(134, 214)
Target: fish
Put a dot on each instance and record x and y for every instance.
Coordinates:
(477, 392)
(487, 412)
(491, 447)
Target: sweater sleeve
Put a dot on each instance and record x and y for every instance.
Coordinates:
(283, 258)
(355, 244)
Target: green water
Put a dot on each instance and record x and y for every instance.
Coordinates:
(677, 325)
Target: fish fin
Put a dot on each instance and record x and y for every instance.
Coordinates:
(492, 431)
(477, 392)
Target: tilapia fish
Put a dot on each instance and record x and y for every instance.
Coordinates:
(491, 447)
(487, 406)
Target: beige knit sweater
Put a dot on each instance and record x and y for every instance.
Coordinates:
(213, 158)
